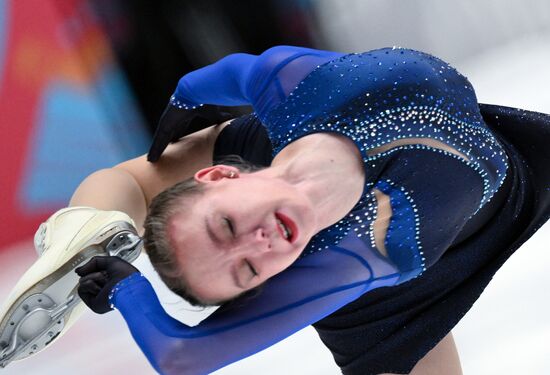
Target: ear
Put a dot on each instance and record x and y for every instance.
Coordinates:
(216, 173)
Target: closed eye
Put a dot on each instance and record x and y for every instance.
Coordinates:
(252, 269)
(230, 225)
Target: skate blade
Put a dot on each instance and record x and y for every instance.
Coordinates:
(39, 315)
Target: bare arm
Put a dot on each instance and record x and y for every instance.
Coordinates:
(130, 186)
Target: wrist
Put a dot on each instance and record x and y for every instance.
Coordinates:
(178, 101)
(123, 287)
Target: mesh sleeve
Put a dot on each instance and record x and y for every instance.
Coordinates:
(310, 289)
(239, 79)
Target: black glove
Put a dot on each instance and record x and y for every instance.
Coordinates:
(178, 122)
(97, 279)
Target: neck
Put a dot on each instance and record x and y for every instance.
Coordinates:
(329, 173)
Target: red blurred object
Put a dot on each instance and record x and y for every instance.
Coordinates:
(42, 40)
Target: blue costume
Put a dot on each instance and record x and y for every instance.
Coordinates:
(373, 98)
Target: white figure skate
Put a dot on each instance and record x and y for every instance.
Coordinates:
(45, 303)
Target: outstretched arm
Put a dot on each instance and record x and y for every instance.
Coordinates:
(309, 290)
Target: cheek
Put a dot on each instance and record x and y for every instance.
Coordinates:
(207, 277)
(277, 264)
(213, 286)
(195, 263)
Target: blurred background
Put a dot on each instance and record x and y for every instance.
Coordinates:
(83, 82)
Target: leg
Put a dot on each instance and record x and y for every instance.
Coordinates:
(442, 359)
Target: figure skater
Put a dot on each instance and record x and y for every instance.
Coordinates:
(386, 200)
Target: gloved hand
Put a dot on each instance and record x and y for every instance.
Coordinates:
(97, 279)
(178, 122)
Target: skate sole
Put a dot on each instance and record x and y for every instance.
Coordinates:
(54, 295)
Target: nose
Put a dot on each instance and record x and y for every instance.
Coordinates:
(260, 241)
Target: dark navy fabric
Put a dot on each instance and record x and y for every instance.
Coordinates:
(390, 329)
(373, 98)
(246, 137)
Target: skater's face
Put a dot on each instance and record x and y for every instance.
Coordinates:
(230, 241)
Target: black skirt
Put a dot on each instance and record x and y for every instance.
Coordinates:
(391, 329)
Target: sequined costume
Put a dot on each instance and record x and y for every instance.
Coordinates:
(373, 98)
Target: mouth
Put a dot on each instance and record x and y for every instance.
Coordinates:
(286, 227)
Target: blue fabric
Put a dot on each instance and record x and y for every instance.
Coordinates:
(242, 79)
(373, 98)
